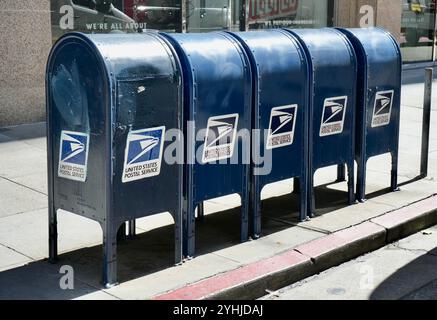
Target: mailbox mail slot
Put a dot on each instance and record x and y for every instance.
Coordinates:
(378, 99)
(107, 119)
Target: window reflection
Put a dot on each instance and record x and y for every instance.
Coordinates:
(288, 14)
(208, 15)
(417, 28)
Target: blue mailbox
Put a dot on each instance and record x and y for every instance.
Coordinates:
(217, 108)
(332, 103)
(378, 99)
(280, 107)
(107, 119)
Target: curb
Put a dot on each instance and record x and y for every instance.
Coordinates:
(253, 280)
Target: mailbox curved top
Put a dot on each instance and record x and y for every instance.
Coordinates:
(375, 47)
(120, 55)
(103, 59)
(274, 54)
(326, 48)
(212, 63)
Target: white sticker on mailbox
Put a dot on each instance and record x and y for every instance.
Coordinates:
(220, 138)
(143, 155)
(334, 113)
(73, 155)
(282, 126)
(382, 109)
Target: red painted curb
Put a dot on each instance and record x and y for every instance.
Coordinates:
(406, 214)
(236, 277)
(339, 239)
(373, 231)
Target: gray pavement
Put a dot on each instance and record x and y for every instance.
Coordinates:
(403, 270)
(145, 264)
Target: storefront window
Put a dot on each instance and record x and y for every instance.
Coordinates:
(112, 16)
(265, 14)
(417, 28)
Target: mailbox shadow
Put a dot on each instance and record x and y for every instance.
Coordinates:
(153, 251)
(415, 281)
(148, 253)
(24, 132)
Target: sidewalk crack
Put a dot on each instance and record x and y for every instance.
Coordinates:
(22, 185)
(16, 251)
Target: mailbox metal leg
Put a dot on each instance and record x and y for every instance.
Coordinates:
(341, 173)
(297, 186)
(178, 231)
(53, 235)
(351, 183)
(394, 172)
(201, 211)
(303, 208)
(361, 183)
(121, 233)
(255, 209)
(245, 199)
(190, 230)
(132, 229)
(109, 256)
(311, 196)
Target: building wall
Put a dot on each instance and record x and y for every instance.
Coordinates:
(387, 14)
(25, 41)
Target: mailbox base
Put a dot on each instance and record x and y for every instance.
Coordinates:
(362, 174)
(350, 182)
(189, 247)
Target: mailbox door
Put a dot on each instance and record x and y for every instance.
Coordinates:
(381, 75)
(280, 102)
(77, 99)
(334, 74)
(217, 102)
(148, 110)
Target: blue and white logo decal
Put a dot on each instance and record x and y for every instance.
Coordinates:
(143, 155)
(382, 109)
(281, 128)
(334, 113)
(220, 138)
(73, 155)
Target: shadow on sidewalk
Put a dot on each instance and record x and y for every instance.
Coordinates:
(415, 281)
(24, 132)
(150, 252)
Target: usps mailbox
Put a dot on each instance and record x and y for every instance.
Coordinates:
(107, 119)
(280, 107)
(217, 107)
(378, 100)
(332, 103)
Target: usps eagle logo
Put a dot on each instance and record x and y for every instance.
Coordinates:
(382, 109)
(334, 113)
(73, 155)
(220, 138)
(282, 127)
(143, 155)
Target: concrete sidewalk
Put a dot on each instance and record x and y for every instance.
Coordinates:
(145, 264)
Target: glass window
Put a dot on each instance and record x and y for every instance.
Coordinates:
(288, 14)
(417, 28)
(209, 15)
(112, 16)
